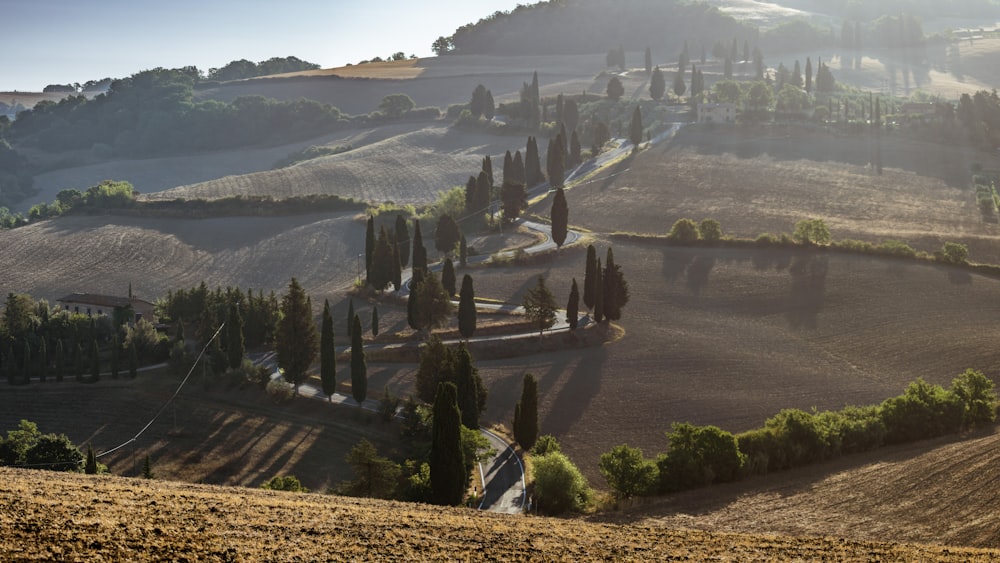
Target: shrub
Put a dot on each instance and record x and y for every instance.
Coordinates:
(698, 456)
(801, 435)
(954, 253)
(811, 231)
(710, 230)
(559, 485)
(280, 390)
(979, 401)
(545, 444)
(684, 231)
(628, 473)
(286, 483)
(923, 411)
(897, 248)
(765, 239)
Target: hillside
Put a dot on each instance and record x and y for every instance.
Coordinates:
(109, 517)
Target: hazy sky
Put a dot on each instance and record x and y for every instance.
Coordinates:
(64, 41)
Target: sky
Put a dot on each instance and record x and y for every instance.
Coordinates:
(66, 41)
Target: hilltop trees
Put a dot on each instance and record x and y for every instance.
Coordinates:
(616, 292)
(559, 215)
(447, 459)
(296, 345)
(327, 353)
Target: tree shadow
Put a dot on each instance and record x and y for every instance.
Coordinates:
(698, 271)
(808, 290)
(577, 393)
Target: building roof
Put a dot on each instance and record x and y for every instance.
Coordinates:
(98, 300)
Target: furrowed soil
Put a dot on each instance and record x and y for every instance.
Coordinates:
(80, 517)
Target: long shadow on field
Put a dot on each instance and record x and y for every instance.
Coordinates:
(808, 290)
(574, 397)
(694, 265)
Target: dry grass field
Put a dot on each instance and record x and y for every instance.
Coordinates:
(83, 517)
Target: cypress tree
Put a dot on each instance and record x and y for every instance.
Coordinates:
(60, 361)
(470, 195)
(350, 316)
(467, 308)
(382, 270)
(90, 468)
(612, 309)
(508, 168)
(657, 84)
(447, 460)
(809, 73)
(43, 360)
(369, 246)
(468, 387)
(419, 255)
(133, 361)
(484, 193)
(147, 469)
(95, 362)
(412, 302)
(573, 306)
(559, 215)
(375, 321)
(635, 129)
(115, 347)
(359, 368)
(555, 163)
(26, 364)
(488, 167)
(526, 428)
(590, 278)
(575, 150)
(448, 277)
(402, 236)
(598, 293)
(327, 353)
(397, 269)
(520, 175)
(463, 252)
(679, 89)
(297, 341)
(235, 344)
(78, 367)
(533, 164)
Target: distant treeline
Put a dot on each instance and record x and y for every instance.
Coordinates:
(237, 70)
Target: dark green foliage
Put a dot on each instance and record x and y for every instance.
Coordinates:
(825, 82)
(575, 151)
(478, 104)
(402, 238)
(570, 116)
(447, 461)
(598, 292)
(698, 455)
(526, 414)
(78, 367)
(657, 84)
(467, 308)
(115, 353)
(635, 131)
(259, 311)
(26, 446)
(436, 365)
(559, 485)
(60, 365)
(556, 161)
(95, 362)
(559, 215)
(540, 306)
(412, 303)
(679, 86)
(448, 277)
(419, 251)
(147, 472)
(487, 169)
(533, 164)
(432, 304)
(590, 277)
(811, 232)
(446, 235)
(374, 476)
(684, 231)
(463, 252)
(359, 367)
(369, 246)
(382, 269)
(327, 353)
(388, 405)
(235, 344)
(514, 198)
(628, 473)
(374, 321)
(546, 443)
(90, 468)
(616, 292)
(297, 341)
(468, 387)
(710, 230)
(923, 411)
(615, 88)
(953, 253)
(573, 306)
(979, 401)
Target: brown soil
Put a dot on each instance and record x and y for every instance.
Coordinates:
(81, 517)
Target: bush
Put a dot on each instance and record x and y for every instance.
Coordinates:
(710, 230)
(979, 401)
(628, 473)
(953, 253)
(280, 390)
(684, 231)
(698, 456)
(923, 411)
(286, 483)
(811, 231)
(897, 248)
(545, 444)
(559, 485)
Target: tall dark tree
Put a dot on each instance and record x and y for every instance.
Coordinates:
(350, 316)
(526, 414)
(327, 354)
(615, 89)
(374, 321)
(43, 361)
(78, 367)
(369, 245)
(571, 115)
(575, 151)
(490, 107)
(809, 75)
(297, 341)
(380, 273)
(446, 235)
(397, 269)
(533, 164)
(616, 291)
(540, 306)
(478, 102)
(235, 345)
(448, 277)
(359, 368)
(402, 235)
(590, 278)
(447, 460)
(657, 84)
(684, 59)
(467, 383)
(598, 292)
(484, 193)
(727, 68)
(679, 86)
(95, 361)
(90, 467)
(796, 78)
(419, 251)
(60, 365)
(115, 353)
(559, 215)
(437, 364)
(573, 306)
(556, 162)
(463, 252)
(412, 303)
(518, 168)
(635, 129)
(649, 60)
(514, 197)
(508, 168)
(433, 305)
(488, 168)
(467, 308)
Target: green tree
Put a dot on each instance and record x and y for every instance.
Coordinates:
(526, 414)
(374, 321)
(679, 86)
(811, 232)
(559, 485)
(374, 476)
(978, 398)
(433, 305)
(728, 91)
(559, 215)
(327, 353)
(467, 308)
(90, 468)
(628, 473)
(699, 455)
(448, 277)
(402, 237)
(297, 342)
(635, 129)
(437, 364)
(759, 97)
(395, 105)
(540, 306)
(573, 306)
(598, 292)
(369, 247)
(954, 253)
(556, 162)
(463, 252)
(825, 82)
(533, 164)
(419, 255)
(382, 270)
(54, 452)
(359, 367)
(447, 460)
(590, 277)
(657, 84)
(235, 344)
(468, 387)
(447, 235)
(616, 291)
(684, 231)
(287, 483)
(710, 230)
(615, 89)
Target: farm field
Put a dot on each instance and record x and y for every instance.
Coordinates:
(118, 518)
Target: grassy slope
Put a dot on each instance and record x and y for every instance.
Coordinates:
(109, 517)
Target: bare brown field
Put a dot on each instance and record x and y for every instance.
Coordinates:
(939, 491)
(88, 517)
(411, 167)
(757, 180)
(396, 70)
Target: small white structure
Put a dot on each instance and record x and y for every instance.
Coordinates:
(723, 112)
(91, 304)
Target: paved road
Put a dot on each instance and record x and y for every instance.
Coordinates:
(504, 478)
